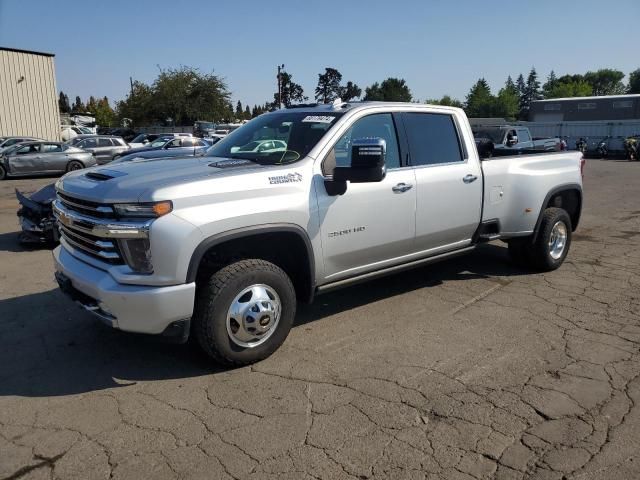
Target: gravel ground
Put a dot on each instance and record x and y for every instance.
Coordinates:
(466, 369)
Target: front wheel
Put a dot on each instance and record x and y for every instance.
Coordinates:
(74, 165)
(244, 312)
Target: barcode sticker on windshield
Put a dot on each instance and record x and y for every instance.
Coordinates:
(318, 119)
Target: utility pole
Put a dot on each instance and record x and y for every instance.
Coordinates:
(280, 68)
(131, 82)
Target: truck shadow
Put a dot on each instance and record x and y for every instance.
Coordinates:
(49, 347)
(10, 242)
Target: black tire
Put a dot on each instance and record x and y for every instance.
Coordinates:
(74, 165)
(539, 254)
(3, 173)
(214, 298)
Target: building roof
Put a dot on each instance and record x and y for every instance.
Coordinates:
(32, 52)
(601, 97)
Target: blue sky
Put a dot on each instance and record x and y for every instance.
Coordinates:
(439, 47)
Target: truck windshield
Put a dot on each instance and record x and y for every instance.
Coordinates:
(275, 138)
(496, 135)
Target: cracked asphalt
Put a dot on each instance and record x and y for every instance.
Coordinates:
(468, 369)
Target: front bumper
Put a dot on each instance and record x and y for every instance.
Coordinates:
(133, 308)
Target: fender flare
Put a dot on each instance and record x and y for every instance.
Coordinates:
(554, 191)
(212, 241)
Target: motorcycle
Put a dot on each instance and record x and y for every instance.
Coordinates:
(603, 147)
(632, 147)
(581, 145)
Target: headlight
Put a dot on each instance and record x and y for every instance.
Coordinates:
(144, 210)
(137, 254)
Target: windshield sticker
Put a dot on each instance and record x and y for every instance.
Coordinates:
(318, 119)
(289, 178)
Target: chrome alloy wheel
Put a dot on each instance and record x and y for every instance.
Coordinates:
(253, 315)
(558, 240)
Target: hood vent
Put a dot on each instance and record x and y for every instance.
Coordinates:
(104, 174)
(98, 176)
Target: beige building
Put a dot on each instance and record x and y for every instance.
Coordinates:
(28, 94)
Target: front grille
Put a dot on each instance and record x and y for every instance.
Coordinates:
(80, 235)
(85, 207)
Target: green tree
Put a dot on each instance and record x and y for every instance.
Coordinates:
(247, 113)
(239, 110)
(570, 89)
(177, 96)
(531, 93)
(63, 103)
(479, 102)
(549, 85)
(138, 106)
(606, 81)
(291, 91)
(446, 101)
(328, 88)
(78, 106)
(350, 91)
(634, 82)
(103, 112)
(390, 90)
(507, 102)
(91, 105)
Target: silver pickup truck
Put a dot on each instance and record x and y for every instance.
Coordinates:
(223, 246)
(506, 140)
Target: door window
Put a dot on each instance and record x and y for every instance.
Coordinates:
(27, 149)
(88, 143)
(104, 142)
(378, 125)
(433, 138)
(51, 147)
(523, 136)
(174, 143)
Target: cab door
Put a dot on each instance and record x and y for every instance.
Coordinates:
(26, 159)
(371, 225)
(448, 182)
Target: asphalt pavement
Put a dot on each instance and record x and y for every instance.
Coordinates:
(467, 369)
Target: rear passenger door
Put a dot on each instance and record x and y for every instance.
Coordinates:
(104, 150)
(448, 183)
(53, 158)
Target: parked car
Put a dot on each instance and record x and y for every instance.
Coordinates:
(223, 247)
(67, 132)
(261, 146)
(6, 142)
(515, 140)
(145, 138)
(104, 147)
(36, 216)
(203, 129)
(172, 147)
(31, 158)
(126, 133)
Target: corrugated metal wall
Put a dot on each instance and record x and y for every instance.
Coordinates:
(28, 95)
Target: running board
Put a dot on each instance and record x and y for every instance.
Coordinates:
(391, 270)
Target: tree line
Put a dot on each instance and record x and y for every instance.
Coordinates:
(180, 96)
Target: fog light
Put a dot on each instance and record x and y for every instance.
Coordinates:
(137, 254)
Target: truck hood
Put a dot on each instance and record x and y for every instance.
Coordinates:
(134, 181)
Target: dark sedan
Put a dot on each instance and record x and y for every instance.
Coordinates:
(31, 158)
(174, 147)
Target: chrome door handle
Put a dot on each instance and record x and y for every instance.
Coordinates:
(470, 178)
(402, 187)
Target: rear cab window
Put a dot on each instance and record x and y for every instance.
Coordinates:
(433, 139)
